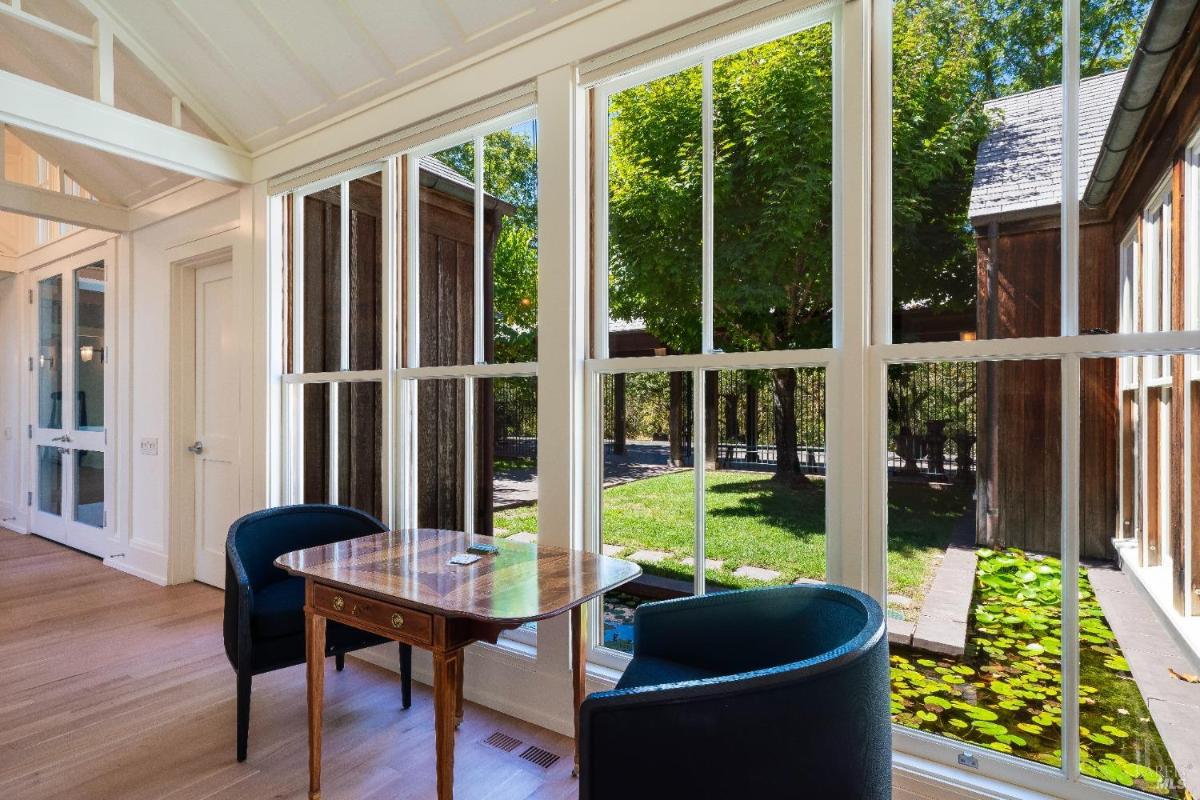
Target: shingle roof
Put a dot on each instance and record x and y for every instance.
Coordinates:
(1019, 164)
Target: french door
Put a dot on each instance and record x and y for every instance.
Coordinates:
(71, 399)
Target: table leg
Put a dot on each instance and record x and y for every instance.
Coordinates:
(315, 637)
(578, 672)
(458, 684)
(445, 693)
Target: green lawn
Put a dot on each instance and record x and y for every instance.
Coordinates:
(755, 521)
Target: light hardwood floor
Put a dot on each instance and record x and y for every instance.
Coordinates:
(111, 687)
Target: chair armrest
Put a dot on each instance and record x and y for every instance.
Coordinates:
(239, 605)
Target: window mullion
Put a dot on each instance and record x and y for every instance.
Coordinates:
(332, 404)
(392, 241)
(344, 281)
(706, 281)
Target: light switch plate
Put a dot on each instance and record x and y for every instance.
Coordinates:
(149, 446)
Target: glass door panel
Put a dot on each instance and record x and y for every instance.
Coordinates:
(69, 439)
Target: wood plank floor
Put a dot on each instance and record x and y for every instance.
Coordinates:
(111, 687)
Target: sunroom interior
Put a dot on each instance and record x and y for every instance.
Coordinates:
(887, 300)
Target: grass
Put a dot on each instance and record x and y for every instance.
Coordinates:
(753, 520)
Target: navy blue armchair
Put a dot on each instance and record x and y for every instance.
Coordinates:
(778, 692)
(264, 606)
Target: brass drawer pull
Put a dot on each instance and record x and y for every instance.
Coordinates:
(338, 602)
(397, 621)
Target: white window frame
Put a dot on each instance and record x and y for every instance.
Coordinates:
(399, 372)
(709, 359)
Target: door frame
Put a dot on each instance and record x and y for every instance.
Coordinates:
(99, 252)
(181, 428)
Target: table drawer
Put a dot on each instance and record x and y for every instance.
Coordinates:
(352, 609)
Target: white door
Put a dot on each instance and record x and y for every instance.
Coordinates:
(69, 434)
(217, 413)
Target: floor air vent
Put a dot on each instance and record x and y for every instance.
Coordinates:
(502, 741)
(536, 755)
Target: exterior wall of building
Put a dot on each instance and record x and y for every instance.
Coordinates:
(1020, 436)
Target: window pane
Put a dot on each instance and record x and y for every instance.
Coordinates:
(316, 443)
(1136, 477)
(49, 357)
(974, 577)
(509, 461)
(89, 488)
(773, 196)
(360, 447)
(441, 447)
(648, 509)
(89, 349)
(977, 158)
(49, 480)
(322, 312)
(366, 272)
(655, 182)
(343, 332)
(447, 255)
(764, 485)
(510, 181)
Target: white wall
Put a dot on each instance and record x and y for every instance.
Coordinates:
(10, 412)
(141, 289)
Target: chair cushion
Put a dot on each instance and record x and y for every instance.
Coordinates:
(650, 671)
(278, 609)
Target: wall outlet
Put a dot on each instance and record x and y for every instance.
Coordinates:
(149, 446)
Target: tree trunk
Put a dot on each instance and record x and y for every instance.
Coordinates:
(711, 423)
(675, 420)
(787, 462)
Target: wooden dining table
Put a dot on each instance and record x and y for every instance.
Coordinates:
(402, 586)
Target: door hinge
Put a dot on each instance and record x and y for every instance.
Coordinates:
(104, 354)
(29, 498)
(29, 430)
(31, 363)
(30, 291)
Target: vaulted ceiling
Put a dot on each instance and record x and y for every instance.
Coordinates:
(250, 73)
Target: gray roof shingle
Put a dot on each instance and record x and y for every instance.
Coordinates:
(1019, 164)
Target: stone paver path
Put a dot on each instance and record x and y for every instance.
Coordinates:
(611, 549)
(941, 626)
(649, 556)
(709, 563)
(756, 573)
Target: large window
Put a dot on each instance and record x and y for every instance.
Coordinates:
(714, 189)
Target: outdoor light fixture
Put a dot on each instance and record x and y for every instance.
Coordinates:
(86, 351)
(967, 336)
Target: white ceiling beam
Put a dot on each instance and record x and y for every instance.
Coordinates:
(32, 201)
(54, 112)
(16, 12)
(101, 10)
(104, 82)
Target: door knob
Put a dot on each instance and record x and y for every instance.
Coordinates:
(196, 448)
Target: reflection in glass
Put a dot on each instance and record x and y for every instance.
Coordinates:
(764, 486)
(49, 355)
(648, 508)
(89, 488)
(322, 312)
(773, 194)
(89, 351)
(49, 480)
(655, 183)
(510, 180)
